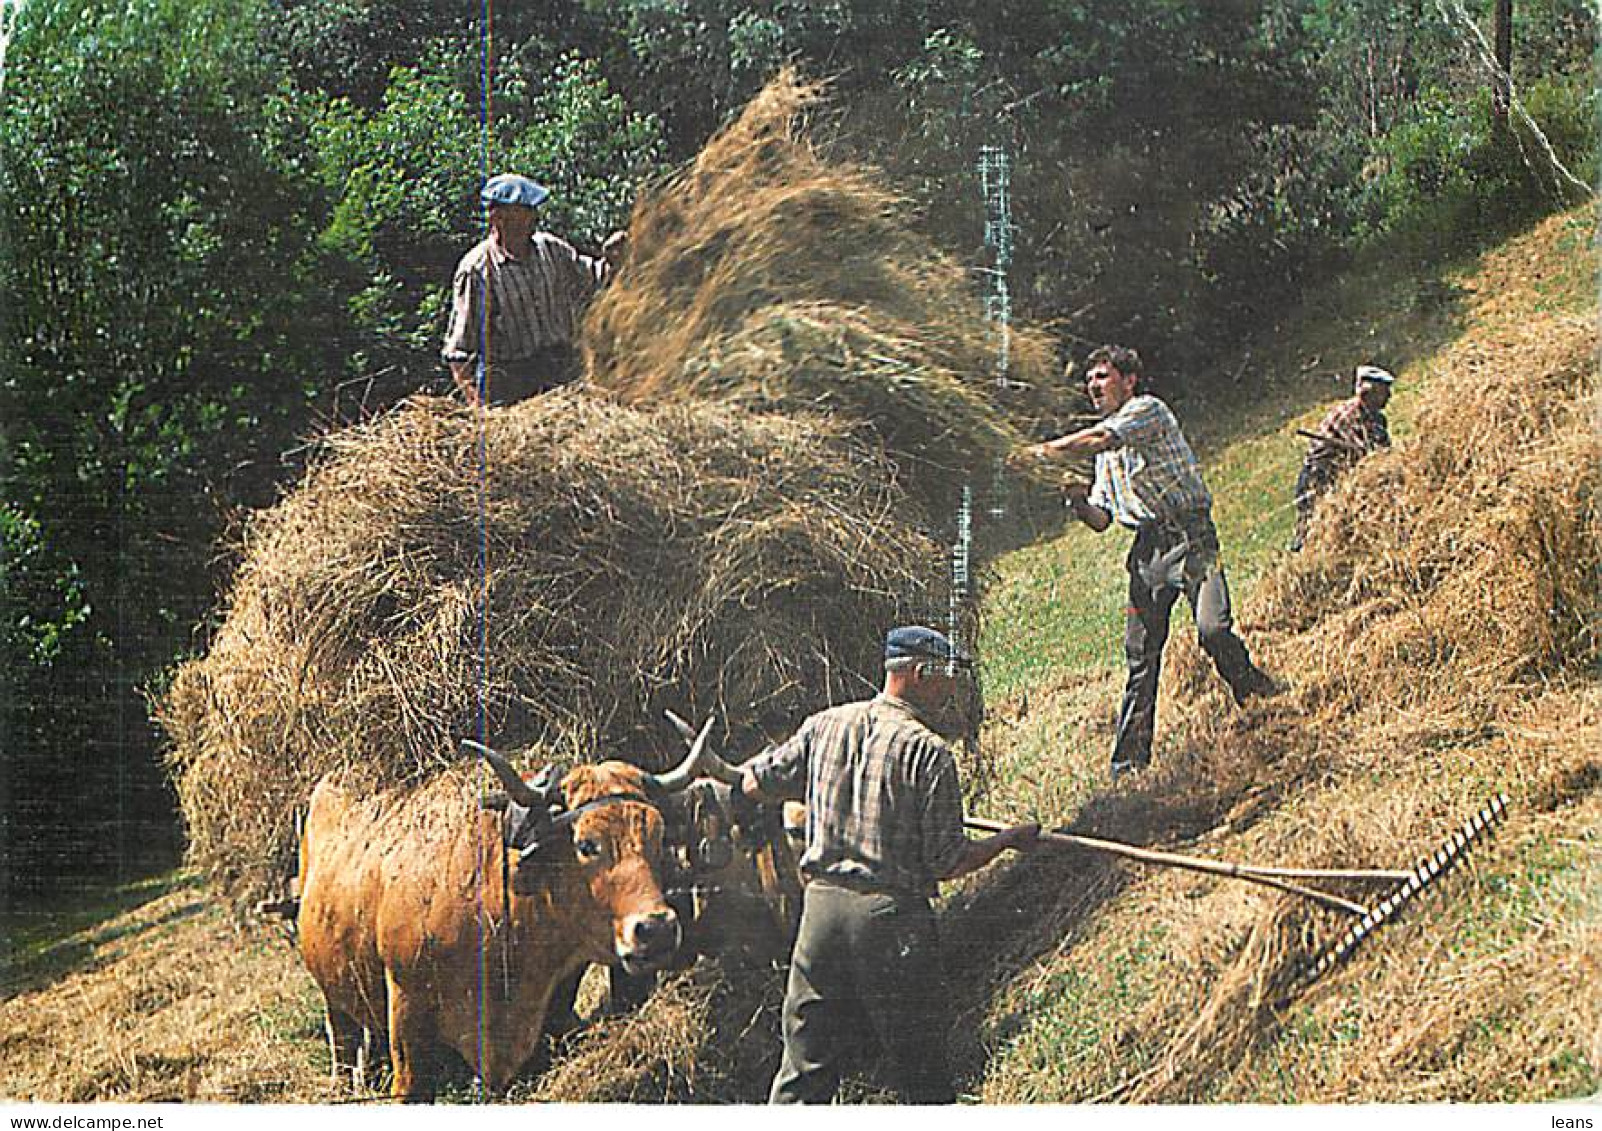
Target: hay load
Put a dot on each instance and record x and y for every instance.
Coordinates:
(769, 276)
(722, 518)
(570, 571)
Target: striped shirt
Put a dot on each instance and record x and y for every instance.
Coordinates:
(1152, 475)
(884, 805)
(534, 304)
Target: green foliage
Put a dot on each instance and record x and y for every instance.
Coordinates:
(1448, 175)
(159, 342)
(404, 179)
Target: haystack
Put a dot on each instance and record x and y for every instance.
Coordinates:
(775, 276)
(562, 575)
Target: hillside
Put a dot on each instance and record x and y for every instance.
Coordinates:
(1439, 639)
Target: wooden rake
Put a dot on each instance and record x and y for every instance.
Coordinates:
(1408, 883)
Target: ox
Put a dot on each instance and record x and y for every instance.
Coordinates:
(445, 925)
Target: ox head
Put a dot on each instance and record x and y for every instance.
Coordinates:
(601, 832)
(743, 882)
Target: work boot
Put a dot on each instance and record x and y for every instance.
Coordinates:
(1122, 769)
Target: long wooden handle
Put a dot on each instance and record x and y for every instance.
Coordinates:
(1193, 864)
(1354, 449)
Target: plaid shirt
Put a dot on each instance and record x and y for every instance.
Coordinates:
(884, 806)
(1152, 475)
(534, 301)
(1356, 428)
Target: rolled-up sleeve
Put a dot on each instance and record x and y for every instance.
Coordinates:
(462, 335)
(782, 771)
(943, 838)
(1137, 421)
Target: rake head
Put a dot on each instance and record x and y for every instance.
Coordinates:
(1429, 869)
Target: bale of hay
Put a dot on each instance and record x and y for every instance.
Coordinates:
(769, 275)
(562, 572)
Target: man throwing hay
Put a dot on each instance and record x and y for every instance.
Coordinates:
(1148, 479)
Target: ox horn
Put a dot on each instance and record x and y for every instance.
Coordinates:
(516, 788)
(701, 762)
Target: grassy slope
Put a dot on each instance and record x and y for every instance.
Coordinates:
(1474, 995)
(1078, 978)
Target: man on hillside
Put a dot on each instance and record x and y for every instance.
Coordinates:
(884, 824)
(517, 298)
(1148, 479)
(1348, 432)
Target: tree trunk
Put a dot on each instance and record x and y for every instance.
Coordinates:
(1502, 81)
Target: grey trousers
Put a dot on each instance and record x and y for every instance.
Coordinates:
(1165, 561)
(864, 960)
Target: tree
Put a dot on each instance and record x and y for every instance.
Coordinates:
(163, 342)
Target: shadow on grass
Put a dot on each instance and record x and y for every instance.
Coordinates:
(41, 944)
(1038, 908)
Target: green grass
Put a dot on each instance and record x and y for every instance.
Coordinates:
(1073, 1016)
(28, 937)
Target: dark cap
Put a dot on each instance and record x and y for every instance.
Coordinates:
(511, 188)
(914, 642)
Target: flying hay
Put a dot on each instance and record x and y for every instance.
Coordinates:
(771, 276)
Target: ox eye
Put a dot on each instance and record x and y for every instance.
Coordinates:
(586, 848)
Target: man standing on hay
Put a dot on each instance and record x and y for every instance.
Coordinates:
(884, 824)
(517, 298)
(1349, 431)
(1149, 480)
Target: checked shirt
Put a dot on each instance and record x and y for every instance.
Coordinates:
(884, 804)
(1152, 475)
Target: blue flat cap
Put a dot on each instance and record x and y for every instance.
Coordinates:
(510, 188)
(1376, 375)
(913, 642)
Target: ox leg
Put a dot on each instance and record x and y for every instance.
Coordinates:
(411, 1047)
(561, 1016)
(347, 1046)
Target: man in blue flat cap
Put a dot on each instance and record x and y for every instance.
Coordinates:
(517, 298)
(884, 825)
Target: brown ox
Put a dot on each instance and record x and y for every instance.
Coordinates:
(418, 920)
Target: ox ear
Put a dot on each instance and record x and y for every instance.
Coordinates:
(527, 829)
(547, 786)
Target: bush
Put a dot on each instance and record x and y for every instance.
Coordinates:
(1449, 175)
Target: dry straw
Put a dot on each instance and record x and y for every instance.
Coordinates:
(660, 537)
(774, 276)
(571, 569)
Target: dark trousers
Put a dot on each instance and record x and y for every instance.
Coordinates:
(1169, 559)
(518, 379)
(1311, 482)
(864, 960)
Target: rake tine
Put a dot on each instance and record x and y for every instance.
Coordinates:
(1429, 868)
